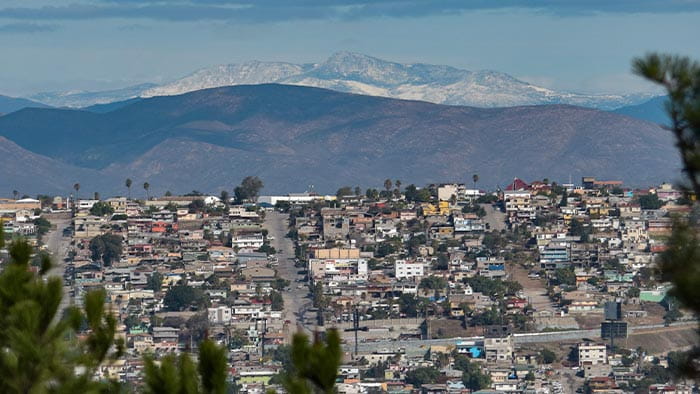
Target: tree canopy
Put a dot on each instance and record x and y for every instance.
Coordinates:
(650, 201)
(179, 374)
(472, 377)
(314, 365)
(180, 297)
(106, 248)
(101, 208)
(680, 262)
(39, 354)
(422, 375)
(249, 189)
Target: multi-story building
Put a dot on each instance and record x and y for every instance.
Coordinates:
(518, 204)
(590, 353)
(219, 315)
(338, 270)
(408, 269)
(498, 344)
(555, 255)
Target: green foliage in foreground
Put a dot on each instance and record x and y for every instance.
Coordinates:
(314, 365)
(38, 350)
(179, 374)
(680, 263)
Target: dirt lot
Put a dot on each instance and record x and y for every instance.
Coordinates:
(534, 289)
(450, 328)
(660, 341)
(655, 313)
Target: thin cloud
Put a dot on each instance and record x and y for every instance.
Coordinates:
(261, 11)
(21, 28)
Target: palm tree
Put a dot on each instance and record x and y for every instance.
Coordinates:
(475, 178)
(128, 186)
(146, 185)
(15, 194)
(387, 184)
(77, 189)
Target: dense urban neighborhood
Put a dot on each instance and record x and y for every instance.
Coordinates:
(538, 287)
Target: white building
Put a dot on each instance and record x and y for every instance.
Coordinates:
(341, 270)
(86, 204)
(459, 191)
(468, 225)
(408, 269)
(590, 353)
(242, 212)
(219, 315)
(294, 198)
(247, 241)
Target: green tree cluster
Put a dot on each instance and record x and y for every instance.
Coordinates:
(475, 208)
(577, 228)
(267, 249)
(155, 281)
(472, 377)
(493, 287)
(488, 317)
(106, 248)
(547, 356)
(42, 225)
(344, 192)
(181, 297)
(101, 208)
(319, 300)
(413, 194)
(276, 300)
(565, 276)
(238, 339)
(280, 284)
(422, 375)
(650, 201)
(433, 283)
(411, 305)
(249, 189)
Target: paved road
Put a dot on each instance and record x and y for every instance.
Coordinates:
(296, 299)
(58, 246)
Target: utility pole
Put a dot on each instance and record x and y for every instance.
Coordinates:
(262, 343)
(356, 326)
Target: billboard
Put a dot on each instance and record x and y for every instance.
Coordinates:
(613, 329)
(613, 310)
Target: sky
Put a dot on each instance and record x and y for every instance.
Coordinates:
(576, 45)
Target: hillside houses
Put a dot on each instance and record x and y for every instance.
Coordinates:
(441, 262)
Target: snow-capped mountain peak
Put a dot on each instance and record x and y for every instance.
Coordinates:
(362, 74)
(248, 73)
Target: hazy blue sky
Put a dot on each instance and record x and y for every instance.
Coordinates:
(579, 45)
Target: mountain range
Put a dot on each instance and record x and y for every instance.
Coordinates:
(12, 104)
(81, 99)
(293, 136)
(653, 111)
(357, 73)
